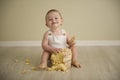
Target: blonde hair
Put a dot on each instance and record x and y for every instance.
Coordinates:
(53, 10)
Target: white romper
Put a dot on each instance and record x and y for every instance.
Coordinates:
(57, 41)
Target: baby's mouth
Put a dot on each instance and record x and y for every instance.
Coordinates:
(55, 23)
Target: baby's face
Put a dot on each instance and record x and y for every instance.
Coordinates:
(54, 20)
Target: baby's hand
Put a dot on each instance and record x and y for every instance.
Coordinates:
(56, 50)
(71, 41)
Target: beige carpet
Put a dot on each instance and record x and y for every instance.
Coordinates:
(98, 63)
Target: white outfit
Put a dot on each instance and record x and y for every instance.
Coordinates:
(57, 41)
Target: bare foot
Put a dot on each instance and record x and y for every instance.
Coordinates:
(42, 66)
(76, 64)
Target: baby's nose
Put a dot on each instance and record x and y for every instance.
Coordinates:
(53, 20)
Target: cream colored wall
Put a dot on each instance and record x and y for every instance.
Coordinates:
(23, 20)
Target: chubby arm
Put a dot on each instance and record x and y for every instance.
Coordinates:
(46, 46)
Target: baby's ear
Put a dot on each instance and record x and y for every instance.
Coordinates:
(46, 24)
(62, 20)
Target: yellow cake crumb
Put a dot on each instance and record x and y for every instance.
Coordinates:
(27, 61)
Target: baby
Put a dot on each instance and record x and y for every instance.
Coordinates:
(56, 39)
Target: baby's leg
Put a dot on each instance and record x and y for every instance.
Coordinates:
(44, 59)
(74, 56)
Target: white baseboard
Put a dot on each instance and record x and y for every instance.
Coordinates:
(78, 43)
(99, 43)
(20, 43)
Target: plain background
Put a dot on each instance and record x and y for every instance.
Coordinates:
(24, 20)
